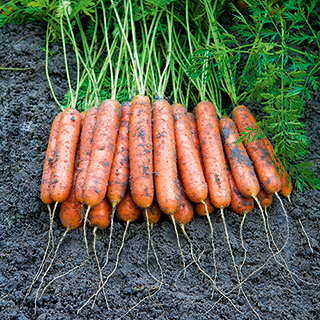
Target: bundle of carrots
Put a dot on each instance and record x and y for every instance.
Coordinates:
(182, 157)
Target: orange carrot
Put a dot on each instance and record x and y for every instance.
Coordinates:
(153, 212)
(212, 155)
(86, 140)
(47, 166)
(140, 152)
(200, 208)
(264, 198)
(239, 204)
(165, 166)
(99, 215)
(189, 164)
(286, 184)
(103, 148)
(127, 210)
(64, 155)
(238, 159)
(119, 175)
(257, 151)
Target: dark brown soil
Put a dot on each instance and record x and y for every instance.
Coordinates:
(27, 110)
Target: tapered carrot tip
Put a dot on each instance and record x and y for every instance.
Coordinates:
(127, 210)
(99, 216)
(153, 212)
(184, 213)
(70, 214)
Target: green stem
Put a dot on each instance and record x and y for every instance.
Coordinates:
(47, 70)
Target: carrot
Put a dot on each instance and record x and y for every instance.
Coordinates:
(184, 213)
(201, 209)
(212, 155)
(264, 198)
(152, 214)
(86, 140)
(257, 151)
(127, 210)
(64, 155)
(103, 148)
(45, 194)
(240, 164)
(265, 169)
(165, 166)
(119, 175)
(47, 166)
(189, 164)
(207, 207)
(195, 134)
(99, 215)
(239, 204)
(70, 210)
(286, 184)
(140, 152)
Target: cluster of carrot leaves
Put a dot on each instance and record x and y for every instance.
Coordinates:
(281, 76)
(182, 51)
(260, 58)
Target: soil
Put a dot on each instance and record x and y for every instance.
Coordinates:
(26, 113)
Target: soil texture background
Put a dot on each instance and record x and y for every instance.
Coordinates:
(27, 110)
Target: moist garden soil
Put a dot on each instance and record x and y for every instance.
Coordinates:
(27, 110)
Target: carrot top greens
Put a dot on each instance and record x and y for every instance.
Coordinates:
(181, 50)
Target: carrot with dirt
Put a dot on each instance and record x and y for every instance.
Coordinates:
(45, 191)
(86, 140)
(103, 148)
(119, 175)
(59, 165)
(189, 163)
(239, 204)
(200, 208)
(70, 209)
(64, 155)
(165, 165)
(242, 169)
(48, 162)
(286, 183)
(212, 155)
(266, 172)
(240, 164)
(102, 153)
(141, 152)
(257, 151)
